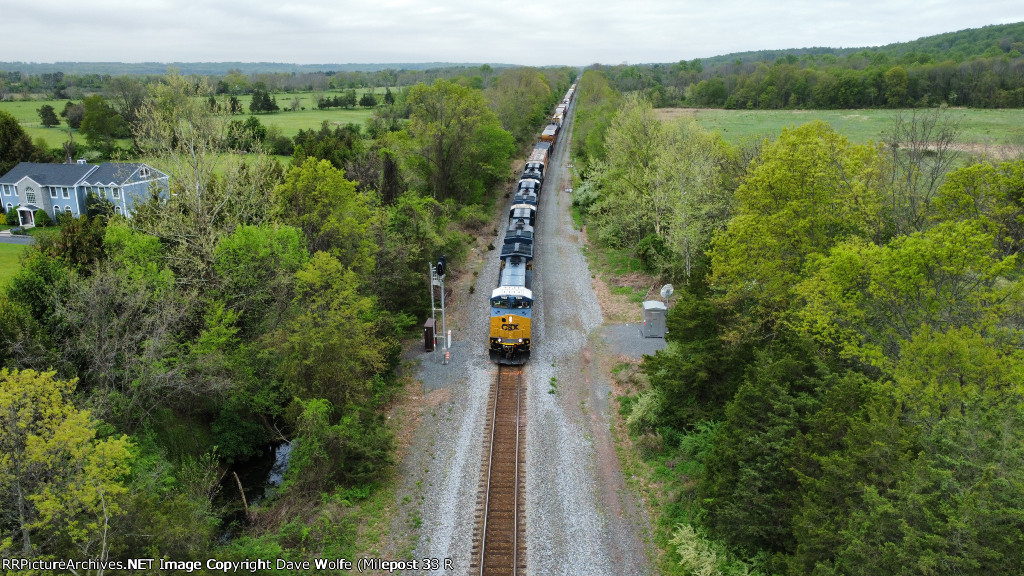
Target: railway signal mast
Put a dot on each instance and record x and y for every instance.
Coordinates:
(437, 274)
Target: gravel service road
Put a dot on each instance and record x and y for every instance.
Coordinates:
(581, 517)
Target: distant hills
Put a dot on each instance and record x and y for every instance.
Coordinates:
(213, 68)
(957, 46)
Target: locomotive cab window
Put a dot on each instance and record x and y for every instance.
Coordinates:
(511, 302)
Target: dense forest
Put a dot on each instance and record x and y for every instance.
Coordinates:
(257, 303)
(980, 68)
(843, 387)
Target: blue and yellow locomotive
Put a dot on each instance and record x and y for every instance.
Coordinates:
(512, 299)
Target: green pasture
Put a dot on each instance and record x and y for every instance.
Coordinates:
(288, 122)
(978, 126)
(10, 261)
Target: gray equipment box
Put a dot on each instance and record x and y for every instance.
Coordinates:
(654, 319)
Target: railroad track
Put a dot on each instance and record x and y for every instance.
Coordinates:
(500, 543)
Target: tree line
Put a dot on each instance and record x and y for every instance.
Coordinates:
(69, 84)
(979, 68)
(841, 392)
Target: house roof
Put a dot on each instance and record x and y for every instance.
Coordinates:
(114, 172)
(48, 174)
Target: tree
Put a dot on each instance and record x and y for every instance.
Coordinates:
(921, 149)
(212, 194)
(102, 124)
(332, 349)
(989, 193)
(129, 94)
(262, 101)
(460, 147)
(870, 301)
(348, 99)
(257, 266)
(73, 114)
(15, 145)
(60, 485)
(48, 116)
(520, 97)
(810, 190)
(316, 198)
(896, 82)
(368, 100)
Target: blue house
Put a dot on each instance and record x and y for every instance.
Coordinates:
(58, 188)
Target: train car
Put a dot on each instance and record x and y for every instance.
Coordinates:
(528, 197)
(536, 164)
(523, 210)
(532, 173)
(529, 184)
(519, 231)
(512, 306)
(550, 133)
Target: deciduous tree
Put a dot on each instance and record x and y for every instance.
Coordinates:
(461, 148)
(48, 116)
(60, 485)
(102, 124)
(15, 145)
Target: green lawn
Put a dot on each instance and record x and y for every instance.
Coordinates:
(10, 261)
(1004, 126)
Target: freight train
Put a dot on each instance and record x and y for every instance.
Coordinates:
(512, 301)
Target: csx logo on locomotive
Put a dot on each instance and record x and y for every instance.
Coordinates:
(509, 327)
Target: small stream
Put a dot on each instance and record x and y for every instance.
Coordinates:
(260, 477)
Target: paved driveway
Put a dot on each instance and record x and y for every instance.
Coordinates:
(7, 238)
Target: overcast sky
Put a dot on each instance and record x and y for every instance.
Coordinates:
(575, 32)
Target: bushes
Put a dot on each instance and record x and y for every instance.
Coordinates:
(43, 219)
(11, 218)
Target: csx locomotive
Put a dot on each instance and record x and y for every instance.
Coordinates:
(513, 301)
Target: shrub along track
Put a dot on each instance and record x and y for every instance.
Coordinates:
(500, 537)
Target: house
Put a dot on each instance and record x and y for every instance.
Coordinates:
(57, 188)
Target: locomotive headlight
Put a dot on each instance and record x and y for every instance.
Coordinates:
(520, 340)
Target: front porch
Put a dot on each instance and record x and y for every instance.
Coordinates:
(26, 217)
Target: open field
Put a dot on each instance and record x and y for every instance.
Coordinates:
(25, 111)
(1000, 127)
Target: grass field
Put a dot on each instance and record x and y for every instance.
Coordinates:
(288, 122)
(10, 261)
(983, 127)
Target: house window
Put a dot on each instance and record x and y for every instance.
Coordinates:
(30, 196)
(143, 172)
(53, 191)
(117, 209)
(10, 206)
(67, 210)
(117, 192)
(56, 212)
(66, 194)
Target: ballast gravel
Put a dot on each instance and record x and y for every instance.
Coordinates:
(581, 518)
